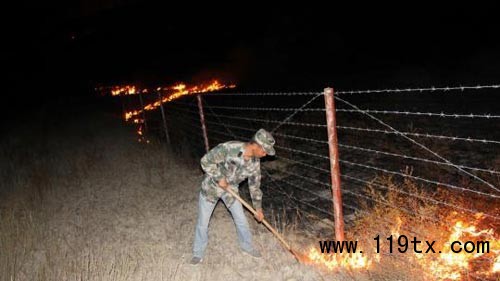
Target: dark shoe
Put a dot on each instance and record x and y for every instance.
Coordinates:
(254, 253)
(195, 261)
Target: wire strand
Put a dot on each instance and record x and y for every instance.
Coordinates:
(420, 145)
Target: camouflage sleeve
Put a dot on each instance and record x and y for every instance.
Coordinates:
(210, 160)
(254, 188)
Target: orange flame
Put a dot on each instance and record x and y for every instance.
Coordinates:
(180, 90)
(337, 261)
(174, 92)
(125, 90)
(449, 265)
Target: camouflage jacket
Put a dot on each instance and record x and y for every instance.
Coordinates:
(226, 161)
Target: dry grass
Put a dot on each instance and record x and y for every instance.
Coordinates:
(87, 202)
(398, 213)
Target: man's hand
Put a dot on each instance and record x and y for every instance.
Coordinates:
(223, 183)
(259, 216)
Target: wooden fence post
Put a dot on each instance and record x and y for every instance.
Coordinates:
(165, 128)
(334, 164)
(202, 120)
(143, 113)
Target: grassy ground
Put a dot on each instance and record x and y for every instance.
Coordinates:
(82, 200)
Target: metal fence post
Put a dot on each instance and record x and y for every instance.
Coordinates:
(143, 113)
(165, 128)
(202, 120)
(334, 164)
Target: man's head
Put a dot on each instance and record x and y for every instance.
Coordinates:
(263, 143)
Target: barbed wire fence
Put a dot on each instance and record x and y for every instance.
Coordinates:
(435, 141)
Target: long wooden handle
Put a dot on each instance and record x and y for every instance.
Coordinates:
(263, 221)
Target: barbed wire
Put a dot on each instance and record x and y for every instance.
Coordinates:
(232, 126)
(382, 186)
(308, 204)
(324, 157)
(366, 166)
(302, 152)
(194, 118)
(430, 114)
(361, 129)
(326, 171)
(217, 138)
(293, 198)
(276, 146)
(178, 108)
(191, 127)
(290, 196)
(275, 134)
(301, 138)
(225, 134)
(367, 150)
(190, 130)
(304, 164)
(295, 112)
(267, 108)
(296, 186)
(415, 158)
(268, 94)
(269, 175)
(419, 145)
(286, 172)
(454, 206)
(233, 135)
(303, 177)
(269, 121)
(187, 122)
(430, 89)
(298, 200)
(418, 178)
(417, 134)
(184, 103)
(220, 121)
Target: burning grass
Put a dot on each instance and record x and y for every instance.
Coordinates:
(168, 94)
(395, 212)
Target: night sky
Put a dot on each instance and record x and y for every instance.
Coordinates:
(61, 51)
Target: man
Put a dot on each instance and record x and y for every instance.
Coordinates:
(226, 166)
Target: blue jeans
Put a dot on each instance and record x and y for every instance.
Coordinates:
(205, 209)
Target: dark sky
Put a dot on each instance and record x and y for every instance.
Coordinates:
(54, 50)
